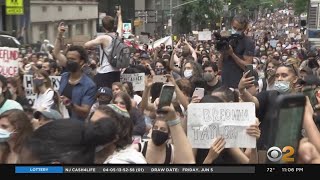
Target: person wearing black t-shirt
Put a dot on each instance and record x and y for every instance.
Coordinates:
(239, 53)
(210, 75)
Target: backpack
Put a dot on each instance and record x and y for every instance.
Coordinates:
(120, 53)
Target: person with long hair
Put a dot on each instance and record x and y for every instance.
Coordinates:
(17, 92)
(15, 128)
(44, 92)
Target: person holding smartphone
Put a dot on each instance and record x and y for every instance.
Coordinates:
(285, 79)
(234, 58)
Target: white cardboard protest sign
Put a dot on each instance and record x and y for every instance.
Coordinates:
(28, 86)
(204, 35)
(136, 79)
(207, 121)
(9, 64)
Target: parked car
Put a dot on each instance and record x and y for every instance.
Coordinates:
(9, 41)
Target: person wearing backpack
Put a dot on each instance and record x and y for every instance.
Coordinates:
(114, 54)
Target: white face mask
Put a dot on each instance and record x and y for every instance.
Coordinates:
(187, 73)
(282, 86)
(233, 31)
(4, 135)
(284, 58)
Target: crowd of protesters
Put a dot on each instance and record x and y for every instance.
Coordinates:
(95, 118)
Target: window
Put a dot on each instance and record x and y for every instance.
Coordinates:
(79, 29)
(44, 8)
(80, 8)
(59, 8)
(43, 31)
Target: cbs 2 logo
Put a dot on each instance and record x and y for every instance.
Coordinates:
(275, 154)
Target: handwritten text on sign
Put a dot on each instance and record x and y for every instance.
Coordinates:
(28, 86)
(137, 80)
(9, 64)
(207, 121)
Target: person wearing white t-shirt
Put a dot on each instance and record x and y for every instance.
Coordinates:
(106, 73)
(43, 90)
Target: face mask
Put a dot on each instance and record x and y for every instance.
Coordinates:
(200, 49)
(38, 82)
(187, 73)
(282, 86)
(278, 48)
(271, 72)
(159, 137)
(159, 71)
(284, 58)
(254, 66)
(262, 49)
(72, 66)
(233, 31)
(263, 61)
(4, 135)
(208, 77)
(104, 102)
(276, 58)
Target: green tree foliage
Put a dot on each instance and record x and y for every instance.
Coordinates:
(300, 6)
(201, 13)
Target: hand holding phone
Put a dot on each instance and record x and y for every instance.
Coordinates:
(61, 27)
(199, 92)
(166, 95)
(249, 67)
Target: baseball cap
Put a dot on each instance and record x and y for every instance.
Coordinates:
(50, 114)
(105, 91)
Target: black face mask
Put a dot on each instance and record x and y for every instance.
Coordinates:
(38, 82)
(276, 58)
(72, 66)
(104, 102)
(159, 137)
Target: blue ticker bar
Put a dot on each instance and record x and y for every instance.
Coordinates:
(39, 169)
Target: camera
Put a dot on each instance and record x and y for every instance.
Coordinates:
(223, 42)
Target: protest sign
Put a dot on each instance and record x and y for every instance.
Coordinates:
(204, 36)
(9, 64)
(208, 121)
(28, 86)
(136, 79)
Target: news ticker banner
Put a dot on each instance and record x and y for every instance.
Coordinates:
(213, 169)
(134, 169)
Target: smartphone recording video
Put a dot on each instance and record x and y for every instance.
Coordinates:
(288, 129)
(166, 95)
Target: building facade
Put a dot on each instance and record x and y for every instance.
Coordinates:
(80, 17)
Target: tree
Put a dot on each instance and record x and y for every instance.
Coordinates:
(299, 6)
(200, 14)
